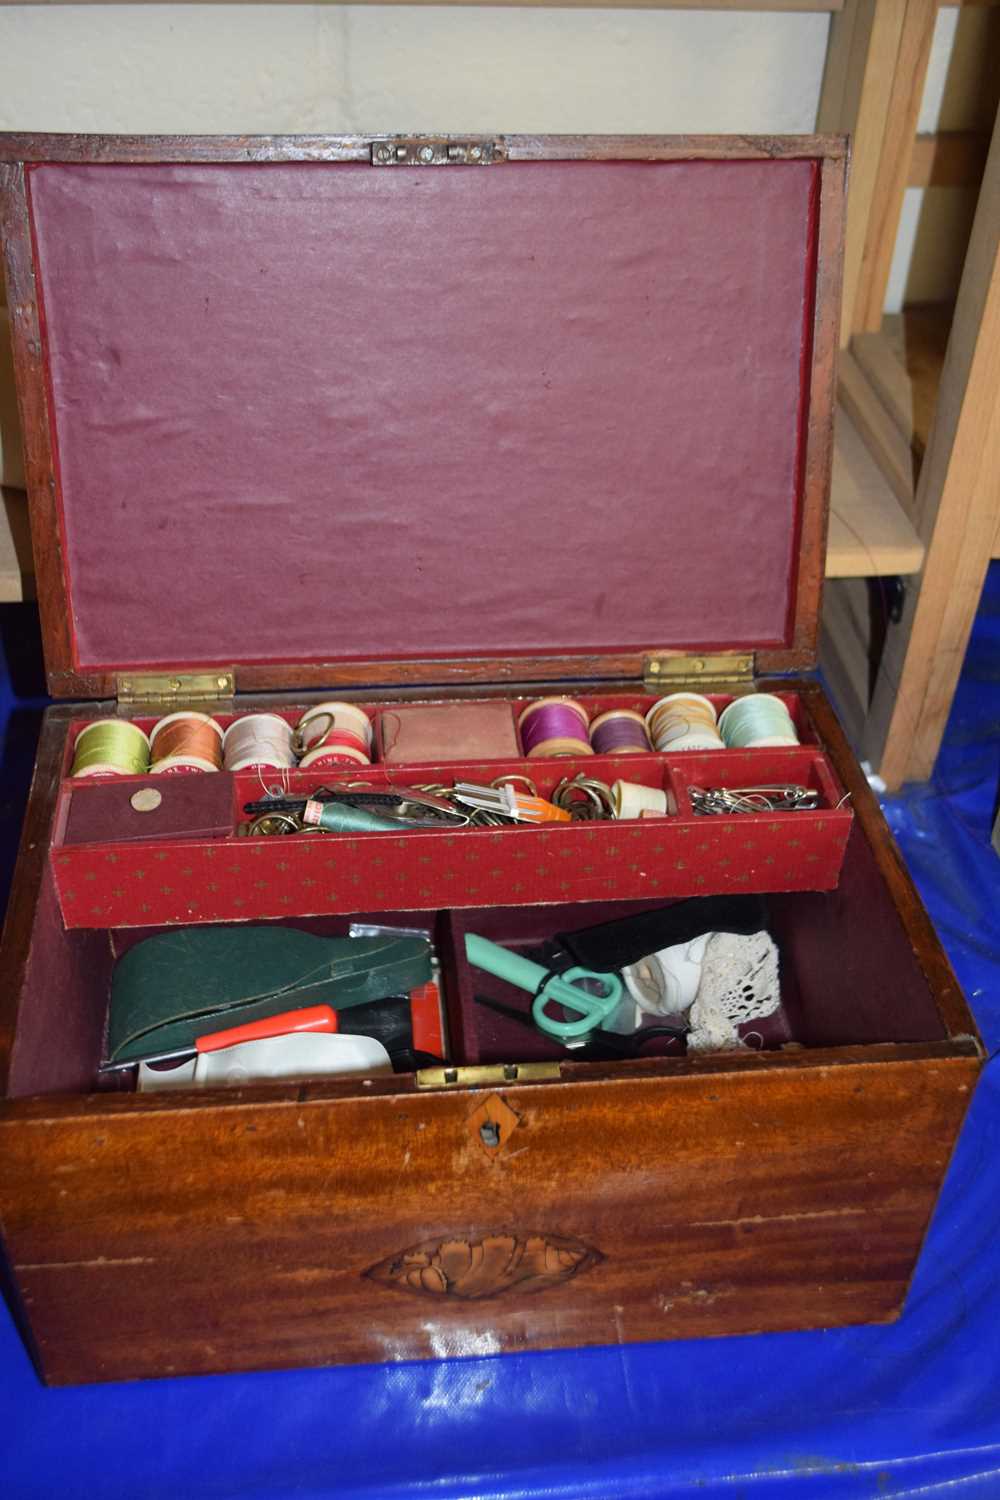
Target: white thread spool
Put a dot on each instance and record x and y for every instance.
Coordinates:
(631, 800)
(263, 740)
(666, 983)
(757, 721)
(683, 721)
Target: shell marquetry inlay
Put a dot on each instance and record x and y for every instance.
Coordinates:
(498, 1263)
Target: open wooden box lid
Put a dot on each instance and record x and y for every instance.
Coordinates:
(324, 420)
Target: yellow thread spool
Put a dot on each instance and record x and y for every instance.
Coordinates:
(110, 747)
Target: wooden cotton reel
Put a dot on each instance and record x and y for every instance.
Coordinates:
(332, 734)
(683, 721)
(110, 747)
(552, 727)
(620, 731)
(758, 721)
(263, 740)
(184, 742)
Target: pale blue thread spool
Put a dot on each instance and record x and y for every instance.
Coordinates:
(758, 721)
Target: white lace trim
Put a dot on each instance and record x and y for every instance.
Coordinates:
(739, 983)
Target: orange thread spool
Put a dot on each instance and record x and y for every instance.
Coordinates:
(185, 741)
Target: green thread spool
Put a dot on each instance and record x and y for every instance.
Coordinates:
(340, 817)
(757, 721)
(111, 747)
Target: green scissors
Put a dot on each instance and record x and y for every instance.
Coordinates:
(548, 988)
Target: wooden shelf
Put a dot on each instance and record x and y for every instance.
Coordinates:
(870, 532)
(903, 363)
(901, 367)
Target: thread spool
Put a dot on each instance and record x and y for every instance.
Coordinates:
(263, 740)
(620, 731)
(185, 741)
(552, 727)
(756, 722)
(683, 721)
(110, 747)
(340, 817)
(332, 734)
(630, 800)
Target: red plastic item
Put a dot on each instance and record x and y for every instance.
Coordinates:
(310, 1018)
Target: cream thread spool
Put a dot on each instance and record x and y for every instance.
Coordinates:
(630, 799)
(263, 740)
(683, 721)
(185, 741)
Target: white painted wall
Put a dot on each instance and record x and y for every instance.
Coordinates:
(381, 68)
(259, 67)
(344, 68)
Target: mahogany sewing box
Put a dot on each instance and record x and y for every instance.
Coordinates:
(432, 419)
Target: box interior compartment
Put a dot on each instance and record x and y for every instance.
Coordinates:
(849, 976)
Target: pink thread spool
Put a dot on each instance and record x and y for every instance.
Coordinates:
(334, 734)
(620, 731)
(552, 727)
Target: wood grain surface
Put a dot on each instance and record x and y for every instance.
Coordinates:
(242, 1236)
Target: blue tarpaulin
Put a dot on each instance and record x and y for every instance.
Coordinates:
(911, 1409)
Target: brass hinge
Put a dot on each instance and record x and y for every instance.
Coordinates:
(486, 1077)
(177, 688)
(720, 672)
(437, 151)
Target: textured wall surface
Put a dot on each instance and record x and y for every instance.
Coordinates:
(316, 67)
(345, 68)
(342, 68)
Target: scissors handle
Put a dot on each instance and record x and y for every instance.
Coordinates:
(558, 989)
(593, 1010)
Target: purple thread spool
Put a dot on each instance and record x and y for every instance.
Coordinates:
(621, 731)
(554, 726)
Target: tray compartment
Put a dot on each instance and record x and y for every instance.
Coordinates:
(120, 884)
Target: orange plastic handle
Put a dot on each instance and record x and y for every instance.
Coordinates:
(538, 810)
(310, 1018)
